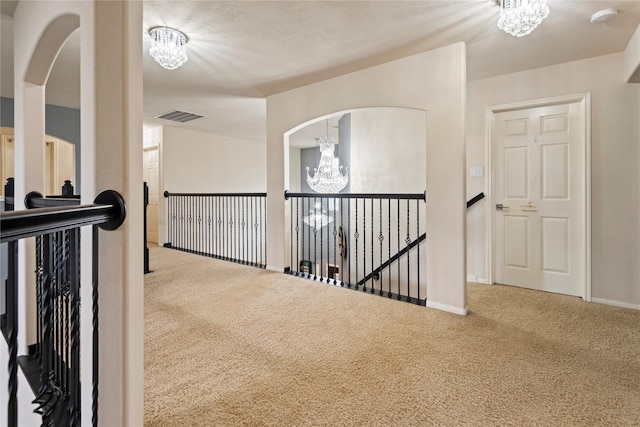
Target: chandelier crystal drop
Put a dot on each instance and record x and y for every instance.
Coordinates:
(328, 177)
(168, 47)
(317, 217)
(521, 17)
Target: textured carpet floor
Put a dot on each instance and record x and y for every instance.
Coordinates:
(228, 345)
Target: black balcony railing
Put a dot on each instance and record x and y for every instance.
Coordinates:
(227, 226)
(53, 366)
(368, 242)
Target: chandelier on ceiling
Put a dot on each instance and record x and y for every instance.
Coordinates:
(328, 177)
(317, 217)
(168, 47)
(520, 17)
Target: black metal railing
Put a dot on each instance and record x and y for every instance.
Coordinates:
(227, 226)
(53, 367)
(475, 199)
(368, 242)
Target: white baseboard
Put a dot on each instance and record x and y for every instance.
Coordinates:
(447, 308)
(615, 303)
(476, 279)
(277, 269)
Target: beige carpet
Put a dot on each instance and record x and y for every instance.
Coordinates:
(228, 345)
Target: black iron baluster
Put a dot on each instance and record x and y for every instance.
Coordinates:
(389, 246)
(309, 241)
(197, 222)
(184, 221)
(347, 233)
(356, 235)
(315, 242)
(69, 271)
(252, 247)
(246, 250)
(218, 228)
(372, 243)
(297, 265)
(380, 239)
(399, 275)
(234, 240)
(418, 245)
(57, 309)
(39, 289)
(194, 224)
(48, 394)
(180, 222)
(238, 236)
(343, 236)
(408, 242)
(335, 240)
(226, 229)
(364, 242)
(256, 236)
(290, 234)
(185, 228)
(12, 332)
(209, 229)
(321, 218)
(74, 290)
(95, 324)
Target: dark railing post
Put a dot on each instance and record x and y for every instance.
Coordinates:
(146, 244)
(67, 188)
(12, 333)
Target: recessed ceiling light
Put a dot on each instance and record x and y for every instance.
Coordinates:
(603, 15)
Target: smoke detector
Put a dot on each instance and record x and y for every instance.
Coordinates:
(603, 15)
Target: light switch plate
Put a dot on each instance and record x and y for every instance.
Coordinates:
(477, 171)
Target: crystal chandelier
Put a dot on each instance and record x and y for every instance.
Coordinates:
(520, 17)
(169, 47)
(317, 217)
(328, 176)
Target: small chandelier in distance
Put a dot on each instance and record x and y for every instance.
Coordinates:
(328, 176)
(169, 47)
(521, 17)
(317, 217)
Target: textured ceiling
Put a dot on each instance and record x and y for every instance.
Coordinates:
(241, 51)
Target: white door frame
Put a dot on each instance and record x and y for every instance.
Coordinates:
(584, 99)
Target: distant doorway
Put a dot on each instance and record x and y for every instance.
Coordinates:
(151, 174)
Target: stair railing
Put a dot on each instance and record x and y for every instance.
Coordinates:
(53, 368)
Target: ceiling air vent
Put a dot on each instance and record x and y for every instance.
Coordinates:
(179, 116)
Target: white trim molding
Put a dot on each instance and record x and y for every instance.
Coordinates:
(447, 308)
(614, 303)
(276, 269)
(476, 279)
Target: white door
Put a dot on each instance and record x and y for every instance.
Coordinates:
(151, 173)
(539, 195)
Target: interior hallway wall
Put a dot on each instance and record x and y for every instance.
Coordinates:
(433, 81)
(615, 154)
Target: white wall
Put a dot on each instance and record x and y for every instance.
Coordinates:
(615, 154)
(632, 59)
(295, 167)
(198, 162)
(111, 158)
(388, 153)
(432, 81)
